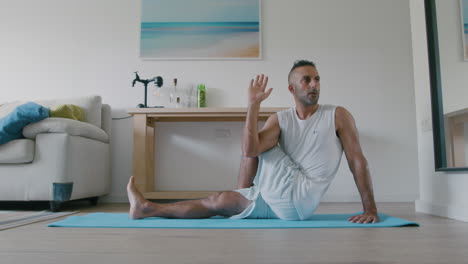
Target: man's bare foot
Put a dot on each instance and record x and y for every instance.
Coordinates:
(139, 206)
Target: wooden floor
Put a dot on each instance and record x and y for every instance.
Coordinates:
(438, 240)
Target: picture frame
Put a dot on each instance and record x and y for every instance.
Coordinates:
(200, 30)
(464, 27)
(435, 78)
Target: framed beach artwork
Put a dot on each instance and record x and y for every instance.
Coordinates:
(464, 18)
(200, 29)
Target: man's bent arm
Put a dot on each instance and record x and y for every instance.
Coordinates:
(253, 142)
(349, 138)
(360, 170)
(250, 140)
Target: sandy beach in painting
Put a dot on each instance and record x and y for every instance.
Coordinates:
(198, 40)
(247, 52)
(246, 45)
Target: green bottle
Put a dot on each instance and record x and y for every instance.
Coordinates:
(201, 91)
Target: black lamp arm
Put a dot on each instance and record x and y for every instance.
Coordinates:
(158, 81)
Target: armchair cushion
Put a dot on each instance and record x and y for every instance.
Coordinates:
(65, 125)
(12, 124)
(17, 151)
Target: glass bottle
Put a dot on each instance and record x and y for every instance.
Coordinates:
(201, 92)
(173, 94)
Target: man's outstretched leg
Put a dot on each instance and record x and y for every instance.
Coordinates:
(247, 172)
(222, 203)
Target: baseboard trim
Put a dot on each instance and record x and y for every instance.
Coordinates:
(114, 199)
(455, 212)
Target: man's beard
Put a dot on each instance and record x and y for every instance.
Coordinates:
(306, 100)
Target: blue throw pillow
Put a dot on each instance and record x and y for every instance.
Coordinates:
(11, 126)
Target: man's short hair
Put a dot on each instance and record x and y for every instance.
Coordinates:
(300, 63)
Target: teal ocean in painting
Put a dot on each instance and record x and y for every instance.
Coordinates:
(466, 28)
(202, 26)
(200, 39)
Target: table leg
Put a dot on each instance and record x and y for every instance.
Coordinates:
(142, 152)
(150, 160)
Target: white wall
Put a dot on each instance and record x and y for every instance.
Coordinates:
(55, 48)
(442, 194)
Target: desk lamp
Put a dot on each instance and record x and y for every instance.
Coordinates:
(158, 81)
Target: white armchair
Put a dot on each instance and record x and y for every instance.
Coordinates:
(60, 159)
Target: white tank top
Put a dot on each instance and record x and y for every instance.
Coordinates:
(314, 146)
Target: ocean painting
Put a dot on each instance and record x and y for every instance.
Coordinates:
(464, 8)
(200, 29)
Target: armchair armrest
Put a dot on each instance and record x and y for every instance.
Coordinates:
(65, 125)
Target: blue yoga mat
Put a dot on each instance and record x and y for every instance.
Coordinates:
(121, 220)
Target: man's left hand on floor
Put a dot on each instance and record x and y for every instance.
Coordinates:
(365, 218)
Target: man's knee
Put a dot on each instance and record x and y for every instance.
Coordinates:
(226, 203)
(220, 200)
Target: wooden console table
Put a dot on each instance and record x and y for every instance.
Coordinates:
(144, 121)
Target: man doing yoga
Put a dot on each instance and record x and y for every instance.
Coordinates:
(287, 166)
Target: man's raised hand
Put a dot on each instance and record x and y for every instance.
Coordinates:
(257, 89)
